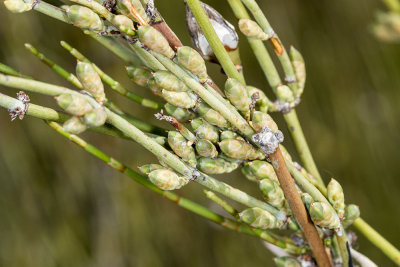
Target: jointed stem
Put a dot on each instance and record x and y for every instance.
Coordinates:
(183, 202)
(10, 71)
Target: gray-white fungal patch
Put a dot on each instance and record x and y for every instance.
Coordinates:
(20, 109)
(268, 140)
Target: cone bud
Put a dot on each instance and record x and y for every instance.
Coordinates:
(237, 94)
(74, 126)
(179, 99)
(204, 130)
(259, 218)
(168, 81)
(90, 80)
(192, 61)
(212, 116)
(154, 40)
(324, 215)
(95, 117)
(205, 148)
(138, 75)
(84, 18)
(336, 197)
(239, 149)
(260, 169)
(73, 104)
(181, 114)
(147, 168)
(182, 148)
(166, 179)
(351, 213)
(260, 120)
(284, 93)
(251, 29)
(272, 192)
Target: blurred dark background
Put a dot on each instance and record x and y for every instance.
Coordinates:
(59, 206)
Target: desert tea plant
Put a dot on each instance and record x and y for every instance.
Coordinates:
(216, 130)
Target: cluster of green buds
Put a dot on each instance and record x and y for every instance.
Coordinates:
(324, 215)
(258, 170)
(84, 18)
(259, 218)
(163, 178)
(84, 114)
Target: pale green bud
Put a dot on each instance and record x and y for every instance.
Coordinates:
(251, 29)
(95, 117)
(272, 192)
(73, 104)
(299, 68)
(167, 180)
(284, 93)
(307, 199)
(17, 6)
(212, 116)
(155, 89)
(84, 18)
(286, 261)
(238, 149)
(74, 126)
(154, 40)
(237, 94)
(324, 215)
(139, 75)
(263, 103)
(180, 114)
(90, 80)
(205, 148)
(192, 60)
(179, 99)
(124, 5)
(124, 24)
(204, 130)
(212, 166)
(168, 81)
(148, 168)
(260, 120)
(260, 170)
(351, 213)
(182, 147)
(259, 218)
(230, 135)
(336, 197)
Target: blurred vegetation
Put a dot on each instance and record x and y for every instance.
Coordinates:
(59, 206)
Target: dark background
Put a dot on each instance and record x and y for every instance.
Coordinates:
(59, 206)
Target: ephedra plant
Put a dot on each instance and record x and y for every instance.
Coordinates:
(216, 130)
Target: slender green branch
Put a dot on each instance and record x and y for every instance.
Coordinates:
(149, 60)
(116, 86)
(183, 202)
(50, 10)
(117, 48)
(213, 40)
(391, 251)
(10, 71)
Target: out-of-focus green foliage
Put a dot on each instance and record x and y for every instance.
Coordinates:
(61, 207)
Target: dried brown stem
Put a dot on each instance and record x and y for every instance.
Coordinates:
(298, 209)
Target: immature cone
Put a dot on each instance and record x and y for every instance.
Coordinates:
(74, 126)
(148, 168)
(230, 135)
(237, 94)
(154, 40)
(84, 18)
(336, 197)
(139, 75)
(307, 199)
(258, 170)
(205, 148)
(181, 114)
(212, 166)
(90, 80)
(324, 215)
(192, 61)
(351, 213)
(179, 99)
(204, 130)
(272, 192)
(124, 24)
(299, 68)
(73, 104)
(238, 149)
(212, 116)
(168, 81)
(286, 261)
(167, 180)
(182, 148)
(260, 120)
(17, 6)
(259, 218)
(155, 89)
(225, 32)
(284, 94)
(95, 117)
(251, 29)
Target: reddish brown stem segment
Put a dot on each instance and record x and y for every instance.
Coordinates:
(298, 209)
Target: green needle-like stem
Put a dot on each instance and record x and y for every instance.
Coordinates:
(10, 71)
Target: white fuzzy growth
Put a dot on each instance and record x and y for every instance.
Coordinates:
(268, 140)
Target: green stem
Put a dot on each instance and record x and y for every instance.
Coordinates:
(149, 60)
(117, 48)
(10, 71)
(392, 252)
(51, 11)
(182, 202)
(116, 86)
(213, 40)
